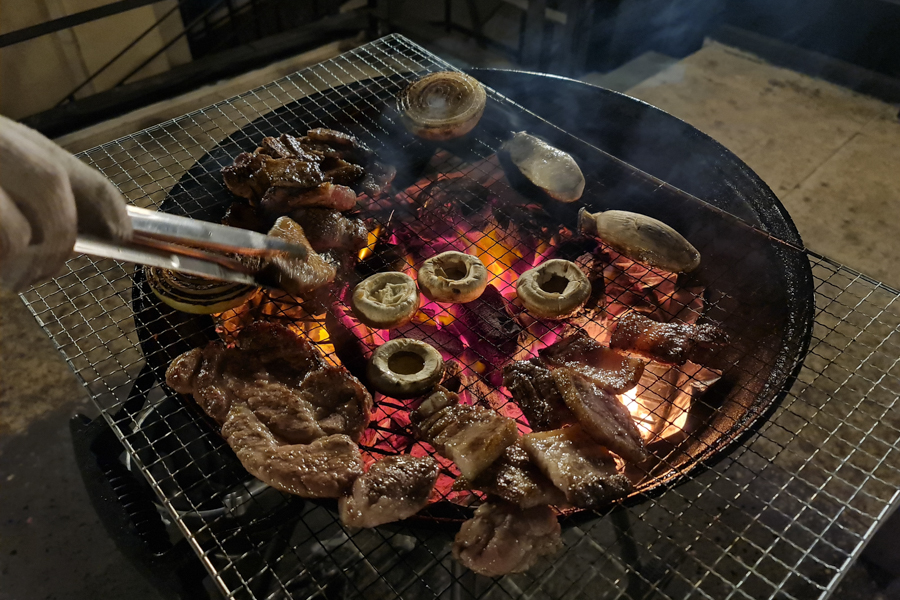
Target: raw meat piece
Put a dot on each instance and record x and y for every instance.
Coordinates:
(532, 387)
(325, 468)
(601, 414)
(502, 538)
(394, 488)
(614, 371)
(471, 436)
(577, 465)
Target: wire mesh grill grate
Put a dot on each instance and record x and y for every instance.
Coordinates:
(783, 513)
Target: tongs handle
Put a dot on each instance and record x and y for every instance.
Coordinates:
(207, 236)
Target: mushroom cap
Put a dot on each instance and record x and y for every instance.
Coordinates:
(405, 368)
(554, 289)
(385, 300)
(453, 277)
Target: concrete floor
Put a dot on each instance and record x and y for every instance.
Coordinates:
(829, 154)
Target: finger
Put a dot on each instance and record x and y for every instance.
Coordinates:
(39, 188)
(15, 232)
(100, 206)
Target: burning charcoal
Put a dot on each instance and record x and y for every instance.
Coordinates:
(384, 257)
(669, 343)
(532, 387)
(394, 488)
(488, 327)
(471, 436)
(516, 479)
(613, 371)
(600, 414)
(449, 200)
(347, 335)
(502, 539)
(577, 465)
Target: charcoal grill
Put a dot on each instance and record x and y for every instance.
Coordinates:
(770, 497)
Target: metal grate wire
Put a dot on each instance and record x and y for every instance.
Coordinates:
(783, 514)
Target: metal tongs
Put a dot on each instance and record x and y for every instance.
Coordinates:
(191, 246)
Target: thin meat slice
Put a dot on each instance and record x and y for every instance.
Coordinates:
(614, 371)
(670, 343)
(601, 414)
(514, 478)
(471, 436)
(294, 275)
(502, 538)
(582, 469)
(532, 387)
(326, 229)
(281, 200)
(394, 488)
(325, 468)
(252, 175)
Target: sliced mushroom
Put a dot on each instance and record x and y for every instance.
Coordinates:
(642, 239)
(453, 277)
(385, 300)
(554, 289)
(549, 168)
(404, 368)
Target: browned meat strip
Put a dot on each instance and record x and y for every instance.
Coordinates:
(601, 414)
(394, 488)
(241, 214)
(516, 479)
(325, 468)
(281, 200)
(326, 229)
(296, 148)
(532, 387)
(251, 176)
(471, 436)
(577, 465)
(614, 371)
(502, 538)
(671, 343)
(239, 177)
(276, 148)
(296, 276)
(341, 172)
(281, 377)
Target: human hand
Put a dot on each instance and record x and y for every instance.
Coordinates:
(47, 197)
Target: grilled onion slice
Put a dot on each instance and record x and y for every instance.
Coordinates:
(196, 295)
(442, 106)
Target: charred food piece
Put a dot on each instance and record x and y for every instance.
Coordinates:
(670, 343)
(502, 538)
(554, 289)
(296, 276)
(582, 469)
(452, 277)
(325, 468)
(486, 323)
(514, 478)
(326, 229)
(386, 300)
(405, 368)
(442, 106)
(642, 239)
(534, 390)
(612, 370)
(548, 168)
(282, 200)
(394, 488)
(252, 175)
(471, 436)
(601, 414)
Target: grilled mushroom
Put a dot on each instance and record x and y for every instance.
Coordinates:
(404, 368)
(453, 277)
(549, 168)
(553, 289)
(442, 106)
(385, 300)
(641, 238)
